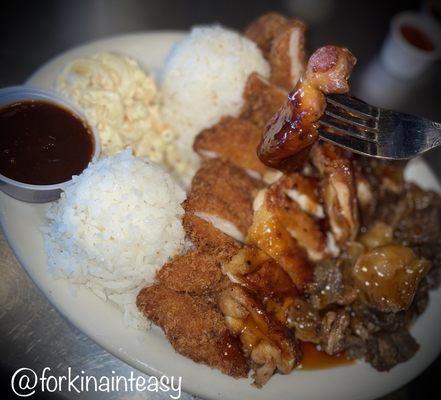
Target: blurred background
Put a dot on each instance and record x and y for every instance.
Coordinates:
(32, 333)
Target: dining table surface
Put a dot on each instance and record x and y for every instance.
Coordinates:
(33, 333)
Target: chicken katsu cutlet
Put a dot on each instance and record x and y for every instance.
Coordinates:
(282, 43)
(194, 328)
(219, 207)
(196, 272)
(234, 140)
(264, 29)
(262, 99)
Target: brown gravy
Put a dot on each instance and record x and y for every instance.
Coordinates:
(315, 359)
(42, 143)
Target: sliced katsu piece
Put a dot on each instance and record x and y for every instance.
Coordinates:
(264, 29)
(287, 55)
(219, 207)
(282, 42)
(234, 140)
(262, 99)
(195, 328)
(196, 272)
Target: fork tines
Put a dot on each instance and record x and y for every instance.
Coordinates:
(349, 116)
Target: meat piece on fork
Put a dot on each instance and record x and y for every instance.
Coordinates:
(282, 43)
(194, 328)
(293, 130)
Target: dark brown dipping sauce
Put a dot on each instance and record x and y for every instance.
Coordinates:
(42, 143)
(417, 38)
(315, 359)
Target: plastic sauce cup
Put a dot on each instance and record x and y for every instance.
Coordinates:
(40, 193)
(405, 58)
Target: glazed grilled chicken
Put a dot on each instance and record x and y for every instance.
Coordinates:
(234, 140)
(265, 29)
(260, 274)
(262, 99)
(294, 200)
(196, 272)
(269, 233)
(291, 134)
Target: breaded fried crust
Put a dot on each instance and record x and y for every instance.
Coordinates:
(234, 140)
(262, 100)
(204, 235)
(225, 191)
(287, 55)
(194, 328)
(263, 30)
(196, 272)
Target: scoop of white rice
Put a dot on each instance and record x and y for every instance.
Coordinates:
(115, 225)
(203, 80)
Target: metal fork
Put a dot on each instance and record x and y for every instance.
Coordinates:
(359, 127)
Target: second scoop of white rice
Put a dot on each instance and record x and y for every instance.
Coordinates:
(115, 225)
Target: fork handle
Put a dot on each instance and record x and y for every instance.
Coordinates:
(434, 132)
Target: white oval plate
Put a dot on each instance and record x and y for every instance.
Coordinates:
(150, 352)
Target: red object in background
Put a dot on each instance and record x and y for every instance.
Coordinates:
(417, 38)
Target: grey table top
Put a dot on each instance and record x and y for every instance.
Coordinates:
(32, 332)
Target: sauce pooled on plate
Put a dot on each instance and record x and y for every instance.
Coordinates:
(42, 143)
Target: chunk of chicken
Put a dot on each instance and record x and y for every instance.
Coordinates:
(302, 226)
(366, 196)
(260, 274)
(305, 191)
(197, 271)
(220, 201)
(233, 140)
(269, 346)
(334, 325)
(262, 99)
(270, 234)
(293, 130)
(264, 29)
(287, 55)
(194, 328)
(265, 279)
(338, 190)
(282, 43)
